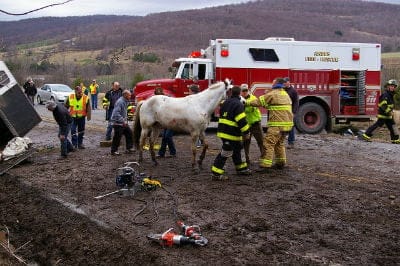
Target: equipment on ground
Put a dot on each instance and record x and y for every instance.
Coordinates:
(336, 82)
(190, 235)
(130, 180)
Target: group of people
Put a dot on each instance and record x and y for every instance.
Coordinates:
(73, 114)
(238, 122)
(71, 117)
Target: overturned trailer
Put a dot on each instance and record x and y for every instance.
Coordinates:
(17, 114)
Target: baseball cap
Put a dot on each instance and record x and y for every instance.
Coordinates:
(244, 87)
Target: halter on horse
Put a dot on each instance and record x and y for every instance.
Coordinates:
(190, 114)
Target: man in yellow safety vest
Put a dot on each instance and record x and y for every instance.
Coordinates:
(94, 91)
(79, 109)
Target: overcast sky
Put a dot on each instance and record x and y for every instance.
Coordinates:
(108, 7)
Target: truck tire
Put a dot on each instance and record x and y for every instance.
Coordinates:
(311, 118)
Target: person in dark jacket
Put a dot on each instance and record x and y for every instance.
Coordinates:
(109, 101)
(30, 90)
(119, 120)
(385, 114)
(64, 121)
(232, 128)
(295, 106)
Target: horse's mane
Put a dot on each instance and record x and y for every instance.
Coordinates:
(215, 85)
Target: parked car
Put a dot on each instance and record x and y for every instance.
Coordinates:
(53, 92)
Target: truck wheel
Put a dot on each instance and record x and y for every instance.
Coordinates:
(310, 118)
(39, 100)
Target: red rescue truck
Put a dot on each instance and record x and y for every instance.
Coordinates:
(336, 82)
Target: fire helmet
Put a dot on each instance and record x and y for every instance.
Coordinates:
(392, 82)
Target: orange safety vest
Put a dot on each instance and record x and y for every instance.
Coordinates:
(77, 108)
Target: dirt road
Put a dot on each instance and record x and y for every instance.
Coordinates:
(337, 203)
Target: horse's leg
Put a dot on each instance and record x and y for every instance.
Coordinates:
(203, 152)
(143, 136)
(195, 137)
(154, 135)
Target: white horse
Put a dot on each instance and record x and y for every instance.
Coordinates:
(190, 114)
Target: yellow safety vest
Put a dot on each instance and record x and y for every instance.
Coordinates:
(93, 88)
(77, 108)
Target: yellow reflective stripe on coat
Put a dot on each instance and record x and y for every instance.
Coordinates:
(382, 103)
(229, 137)
(280, 107)
(384, 116)
(245, 128)
(280, 123)
(240, 116)
(262, 101)
(227, 122)
(217, 170)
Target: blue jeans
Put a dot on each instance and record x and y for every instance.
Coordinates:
(94, 101)
(77, 137)
(109, 125)
(167, 140)
(66, 145)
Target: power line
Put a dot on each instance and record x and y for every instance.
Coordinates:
(34, 10)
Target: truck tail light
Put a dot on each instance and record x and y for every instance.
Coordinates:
(224, 50)
(356, 54)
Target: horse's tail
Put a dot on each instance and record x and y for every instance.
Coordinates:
(137, 128)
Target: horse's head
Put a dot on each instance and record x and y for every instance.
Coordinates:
(228, 84)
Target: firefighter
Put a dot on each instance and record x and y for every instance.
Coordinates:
(280, 122)
(385, 114)
(232, 128)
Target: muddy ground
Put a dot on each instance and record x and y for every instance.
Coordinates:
(336, 203)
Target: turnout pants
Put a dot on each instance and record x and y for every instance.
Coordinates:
(274, 145)
(390, 124)
(256, 131)
(229, 148)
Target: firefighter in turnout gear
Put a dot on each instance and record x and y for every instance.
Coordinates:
(232, 127)
(385, 114)
(280, 122)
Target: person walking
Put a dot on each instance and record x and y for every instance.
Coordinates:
(232, 128)
(253, 117)
(109, 101)
(64, 121)
(291, 91)
(167, 136)
(280, 122)
(119, 120)
(94, 91)
(30, 90)
(385, 114)
(79, 109)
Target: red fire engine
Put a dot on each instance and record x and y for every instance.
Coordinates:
(336, 82)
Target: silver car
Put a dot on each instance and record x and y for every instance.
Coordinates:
(53, 92)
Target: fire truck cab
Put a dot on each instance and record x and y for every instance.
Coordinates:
(336, 82)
